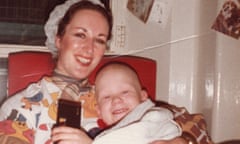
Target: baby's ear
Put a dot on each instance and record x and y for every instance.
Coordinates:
(144, 95)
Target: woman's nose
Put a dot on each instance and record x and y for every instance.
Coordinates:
(89, 46)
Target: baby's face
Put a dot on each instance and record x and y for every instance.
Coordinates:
(118, 92)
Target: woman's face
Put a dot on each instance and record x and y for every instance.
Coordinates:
(83, 44)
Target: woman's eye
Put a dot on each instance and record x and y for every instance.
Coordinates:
(101, 41)
(80, 35)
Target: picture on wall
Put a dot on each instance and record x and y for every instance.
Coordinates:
(140, 8)
(228, 19)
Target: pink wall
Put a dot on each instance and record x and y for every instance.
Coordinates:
(197, 66)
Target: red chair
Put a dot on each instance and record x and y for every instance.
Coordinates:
(28, 66)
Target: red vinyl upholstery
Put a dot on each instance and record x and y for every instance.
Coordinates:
(29, 66)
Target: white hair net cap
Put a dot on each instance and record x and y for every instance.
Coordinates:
(51, 25)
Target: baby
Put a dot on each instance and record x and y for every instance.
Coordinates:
(124, 106)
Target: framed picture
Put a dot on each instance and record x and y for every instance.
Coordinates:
(228, 19)
(140, 8)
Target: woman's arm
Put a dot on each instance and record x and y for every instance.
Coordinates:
(177, 140)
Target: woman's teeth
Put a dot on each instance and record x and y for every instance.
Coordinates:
(83, 60)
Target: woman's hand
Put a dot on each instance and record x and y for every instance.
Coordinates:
(68, 135)
(177, 140)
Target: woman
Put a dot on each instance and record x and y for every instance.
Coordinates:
(81, 34)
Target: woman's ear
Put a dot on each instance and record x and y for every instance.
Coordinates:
(58, 42)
